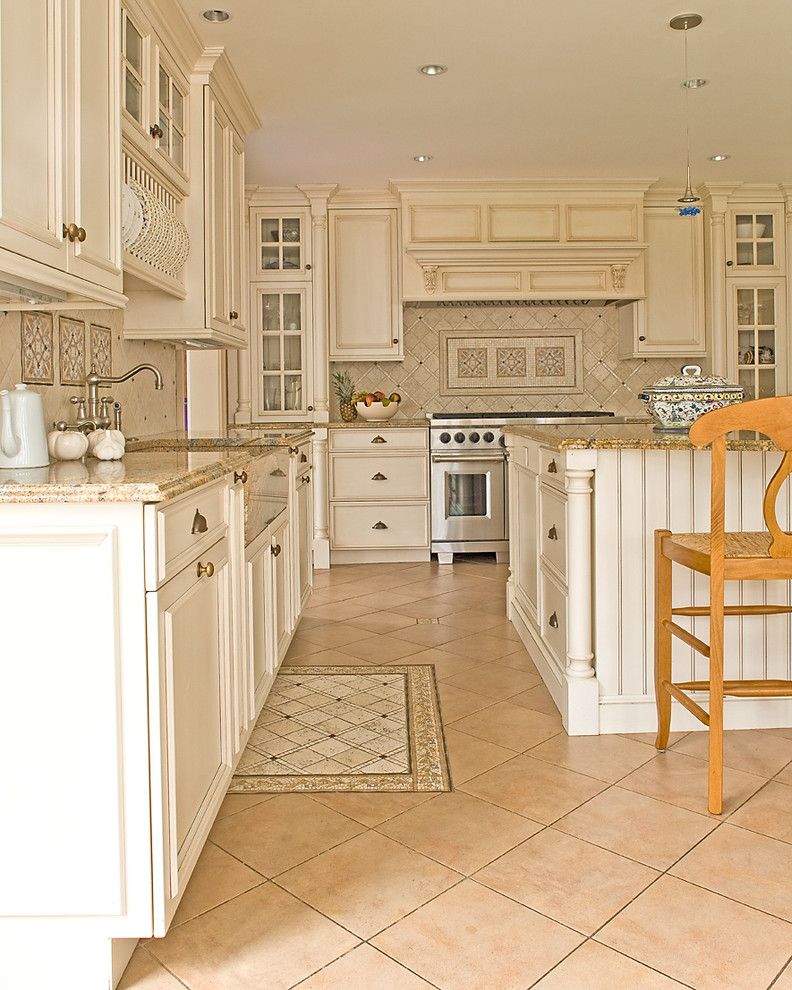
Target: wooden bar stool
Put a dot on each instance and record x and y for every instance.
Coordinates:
(724, 557)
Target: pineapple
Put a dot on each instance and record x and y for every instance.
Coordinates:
(345, 390)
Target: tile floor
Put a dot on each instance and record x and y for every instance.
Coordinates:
(557, 863)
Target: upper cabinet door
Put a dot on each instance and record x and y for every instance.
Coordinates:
(31, 133)
(169, 129)
(94, 141)
(756, 241)
(280, 244)
(365, 307)
(216, 127)
(237, 249)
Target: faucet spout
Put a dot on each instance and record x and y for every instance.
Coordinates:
(94, 381)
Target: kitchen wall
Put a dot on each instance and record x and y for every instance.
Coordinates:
(608, 382)
(145, 410)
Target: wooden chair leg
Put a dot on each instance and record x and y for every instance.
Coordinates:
(662, 638)
(715, 776)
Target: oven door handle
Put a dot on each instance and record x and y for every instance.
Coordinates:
(464, 459)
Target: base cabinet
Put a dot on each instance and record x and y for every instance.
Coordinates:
(189, 668)
(262, 652)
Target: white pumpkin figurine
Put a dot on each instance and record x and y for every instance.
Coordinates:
(106, 445)
(66, 445)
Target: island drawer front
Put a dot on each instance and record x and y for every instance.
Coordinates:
(552, 466)
(554, 619)
(304, 456)
(379, 440)
(363, 526)
(184, 528)
(553, 532)
(379, 477)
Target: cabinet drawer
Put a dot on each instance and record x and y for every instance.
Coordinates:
(552, 466)
(553, 618)
(372, 527)
(184, 528)
(552, 520)
(380, 440)
(304, 455)
(379, 477)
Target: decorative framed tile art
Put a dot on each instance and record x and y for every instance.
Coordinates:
(101, 351)
(71, 335)
(492, 362)
(36, 346)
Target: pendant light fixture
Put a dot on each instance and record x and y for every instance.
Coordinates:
(684, 23)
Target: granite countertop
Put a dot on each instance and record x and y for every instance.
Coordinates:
(336, 424)
(271, 436)
(625, 436)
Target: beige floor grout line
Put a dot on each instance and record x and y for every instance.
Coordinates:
(779, 974)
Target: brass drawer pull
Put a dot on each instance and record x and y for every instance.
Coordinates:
(276, 549)
(240, 476)
(199, 524)
(379, 525)
(552, 467)
(379, 476)
(553, 621)
(552, 533)
(303, 458)
(379, 439)
(207, 569)
(277, 473)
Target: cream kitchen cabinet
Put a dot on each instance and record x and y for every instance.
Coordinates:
(60, 211)
(190, 656)
(379, 494)
(302, 527)
(261, 609)
(214, 310)
(281, 352)
(280, 244)
(364, 279)
(670, 321)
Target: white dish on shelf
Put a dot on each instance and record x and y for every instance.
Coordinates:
(751, 230)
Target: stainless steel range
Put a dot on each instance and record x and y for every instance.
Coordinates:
(468, 478)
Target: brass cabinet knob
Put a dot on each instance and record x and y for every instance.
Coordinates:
(395, 340)
(199, 524)
(552, 533)
(379, 525)
(642, 338)
(71, 230)
(293, 451)
(310, 408)
(276, 549)
(156, 131)
(307, 268)
(233, 315)
(81, 234)
(240, 476)
(207, 569)
(379, 476)
(306, 479)
(553, 621)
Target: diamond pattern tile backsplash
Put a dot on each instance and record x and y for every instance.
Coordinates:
(608, 382)
(145, 411)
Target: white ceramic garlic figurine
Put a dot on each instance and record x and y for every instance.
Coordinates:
(111, 443)
(66, 445)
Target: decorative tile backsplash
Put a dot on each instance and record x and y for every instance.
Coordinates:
(71, 350)
(607, 382)
(30, 335)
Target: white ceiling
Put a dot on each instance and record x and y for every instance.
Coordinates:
(535, 88)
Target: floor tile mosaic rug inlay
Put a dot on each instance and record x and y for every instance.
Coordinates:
(345, 729)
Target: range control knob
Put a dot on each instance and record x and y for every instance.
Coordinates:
(489, 437)
(474, 438)
(459, 437)
(445, 438)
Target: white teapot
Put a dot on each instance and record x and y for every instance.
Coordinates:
(23, 436)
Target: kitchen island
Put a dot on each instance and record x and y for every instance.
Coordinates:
(584, 504)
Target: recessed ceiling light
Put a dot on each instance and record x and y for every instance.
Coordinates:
(216, 16)
(694, 83)
(719, 158)
(433, 69)
(422, 158)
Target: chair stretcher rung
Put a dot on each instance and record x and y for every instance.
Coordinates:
(676, 692)
(687, 637)
(744, 689)
(735, 610)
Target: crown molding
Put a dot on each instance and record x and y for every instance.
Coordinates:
(637, 186)
(214, 67)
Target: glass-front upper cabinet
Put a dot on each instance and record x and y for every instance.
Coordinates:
(281, 363)
(171, 125)
(281, 244)
(758, 337)
(134, 59)
(756, 241)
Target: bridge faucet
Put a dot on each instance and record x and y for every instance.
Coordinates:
(94, 381)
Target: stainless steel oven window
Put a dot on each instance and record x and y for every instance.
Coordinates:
(468, 494)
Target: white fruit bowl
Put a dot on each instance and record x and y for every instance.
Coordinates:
(376, 412)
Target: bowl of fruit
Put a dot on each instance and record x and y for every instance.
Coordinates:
(376, 406)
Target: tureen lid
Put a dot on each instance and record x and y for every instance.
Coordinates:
(692, 380)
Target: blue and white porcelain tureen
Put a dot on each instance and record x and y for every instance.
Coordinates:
(677, 401)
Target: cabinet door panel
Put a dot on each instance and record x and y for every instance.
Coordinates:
(237, 252)
(365, 310)
(261, 631)
(216, 129)
(31, 126)
(190, 620)
(282, 578)
(524, 522)
(94, 148)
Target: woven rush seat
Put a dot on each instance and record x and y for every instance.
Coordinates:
(736, 544)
